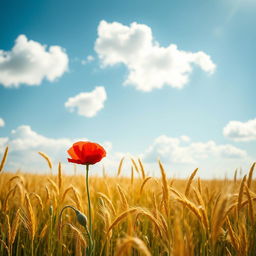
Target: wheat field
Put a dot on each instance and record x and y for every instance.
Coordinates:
(130, 216)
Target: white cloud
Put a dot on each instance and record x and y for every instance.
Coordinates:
(2, 123)
(177, 150)
(24, 144)
(239, 131)
(212, 159)
(29, 62)
(181, 157)
(87, 104)
(150, 65)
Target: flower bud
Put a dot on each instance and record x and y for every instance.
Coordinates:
(81, 218)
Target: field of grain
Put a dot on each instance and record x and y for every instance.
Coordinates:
(130, 216)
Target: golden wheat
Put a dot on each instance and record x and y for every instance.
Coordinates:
(131, 216)
(4, 159)
(47, 158)
(190, 181)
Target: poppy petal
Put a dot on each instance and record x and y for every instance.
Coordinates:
(72, 153)
(78, 152)
(87, 151)
(74, 161)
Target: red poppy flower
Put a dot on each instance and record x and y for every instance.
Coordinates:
(85, 152)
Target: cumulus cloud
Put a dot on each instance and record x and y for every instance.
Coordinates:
(29, 63)
(239, 131)
(2, 123)
(182, 156)
(177, 150)
(87, 104)
(150, 65)
(24, 143)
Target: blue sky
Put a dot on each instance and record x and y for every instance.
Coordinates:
(192, 105)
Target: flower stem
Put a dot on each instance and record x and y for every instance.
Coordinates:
(89, 210)
(90, 241)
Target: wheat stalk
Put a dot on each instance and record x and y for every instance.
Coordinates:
(135, 242)
(8, 228)
(199, 185)
(108, 201)
(144, 183)
(18, 177)
(240, 195)
(164, 187)
(54, 186)
(250, 203)
(234, 239)
(177, 193)
(121, 217)
(243, 241)
(15, 226)
(120, 166)
(132, 175)
(142, 169)
(66, 192)
(43, 231)
(249, 181)
(190, 181)
(47, 158)
(59, 176)
(4, 158)
(219, 215)
(6, 247)
(191, 207)
(30, 222)
(5, 204)
(135, 165)
(123, 197)
(146, 213)
(39, 200)
(77, 198)
(235, 176)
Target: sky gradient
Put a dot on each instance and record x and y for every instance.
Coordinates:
(168, 80)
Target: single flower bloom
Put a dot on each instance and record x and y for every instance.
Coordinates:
(85, 152)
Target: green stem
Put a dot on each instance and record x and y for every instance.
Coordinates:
(90, 239)
(89, 209)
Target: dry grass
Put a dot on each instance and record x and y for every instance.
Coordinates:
(131, 216)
